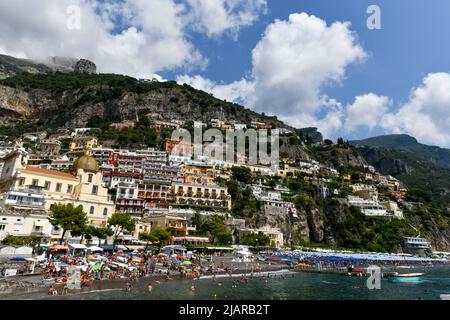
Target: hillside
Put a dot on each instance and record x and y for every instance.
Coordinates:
(11, 66)
(436, 155)
(77, 100)
(417, 165)
(56, 100)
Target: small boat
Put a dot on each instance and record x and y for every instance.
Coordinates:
(445, 297)
(407, 275)
(404, 277)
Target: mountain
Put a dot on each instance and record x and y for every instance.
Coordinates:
(405, 143)
(77, 100)
(11, 66)
(418, 165)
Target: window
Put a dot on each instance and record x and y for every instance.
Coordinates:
(105, 212)
(47, 185)
(2, 227)
(91, 210)
(94, 190)
(69, 188)
(21, 181)
(35, 182)
(90, 177)
(58, 187)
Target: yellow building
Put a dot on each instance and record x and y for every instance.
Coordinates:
(83, 144)
(196, 174)
(202, 195)
(178, 225)
(83, 187)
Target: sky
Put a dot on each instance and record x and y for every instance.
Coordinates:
(310, 62)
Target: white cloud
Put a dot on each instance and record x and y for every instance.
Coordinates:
(215, 17)
(135, 37)
(292, 63)
(231, 92)
(426, 115)
(366, 111)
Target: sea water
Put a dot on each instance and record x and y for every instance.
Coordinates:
(292, 286)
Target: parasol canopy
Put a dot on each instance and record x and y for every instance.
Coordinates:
(18, 259)
(58, 247)
(95, 249)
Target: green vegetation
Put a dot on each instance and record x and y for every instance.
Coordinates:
(68, 218)
(58, 82)
(216, 229)
(256, 239)
(121, 221)
(20, 241)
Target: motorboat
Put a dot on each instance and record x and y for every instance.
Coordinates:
(404, 277)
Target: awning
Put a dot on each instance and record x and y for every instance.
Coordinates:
(95, 249)
(58, 247)
(77, 246)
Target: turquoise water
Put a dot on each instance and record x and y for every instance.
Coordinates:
(295, 286)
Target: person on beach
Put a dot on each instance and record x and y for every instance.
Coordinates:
(128, 286)
(149, 288)
(52, 291)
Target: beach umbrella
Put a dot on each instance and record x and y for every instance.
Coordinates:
(96, 267)
(18, 259)
(186, 263)
(95, 249)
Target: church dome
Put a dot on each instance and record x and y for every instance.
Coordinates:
(86, 163)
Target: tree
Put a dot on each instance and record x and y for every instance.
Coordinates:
(147, 237)
(101, 232)
(256, 239)
(121, 221)
(161, 235)
(224, 238)
(216, 228)
(68, 218)
(242, 174)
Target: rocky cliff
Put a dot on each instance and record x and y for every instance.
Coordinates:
(76, 100)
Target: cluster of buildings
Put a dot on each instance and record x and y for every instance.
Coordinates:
(157, 190)
(160, 188)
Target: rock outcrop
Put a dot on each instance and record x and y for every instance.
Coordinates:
(85, 66)
(384, 164)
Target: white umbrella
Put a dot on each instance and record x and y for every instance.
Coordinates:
(95, 249)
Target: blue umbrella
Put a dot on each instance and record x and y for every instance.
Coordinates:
(18, 259)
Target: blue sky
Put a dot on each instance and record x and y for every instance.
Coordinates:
(322, 68)
(411, 44)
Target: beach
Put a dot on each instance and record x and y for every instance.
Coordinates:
(326, 276)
